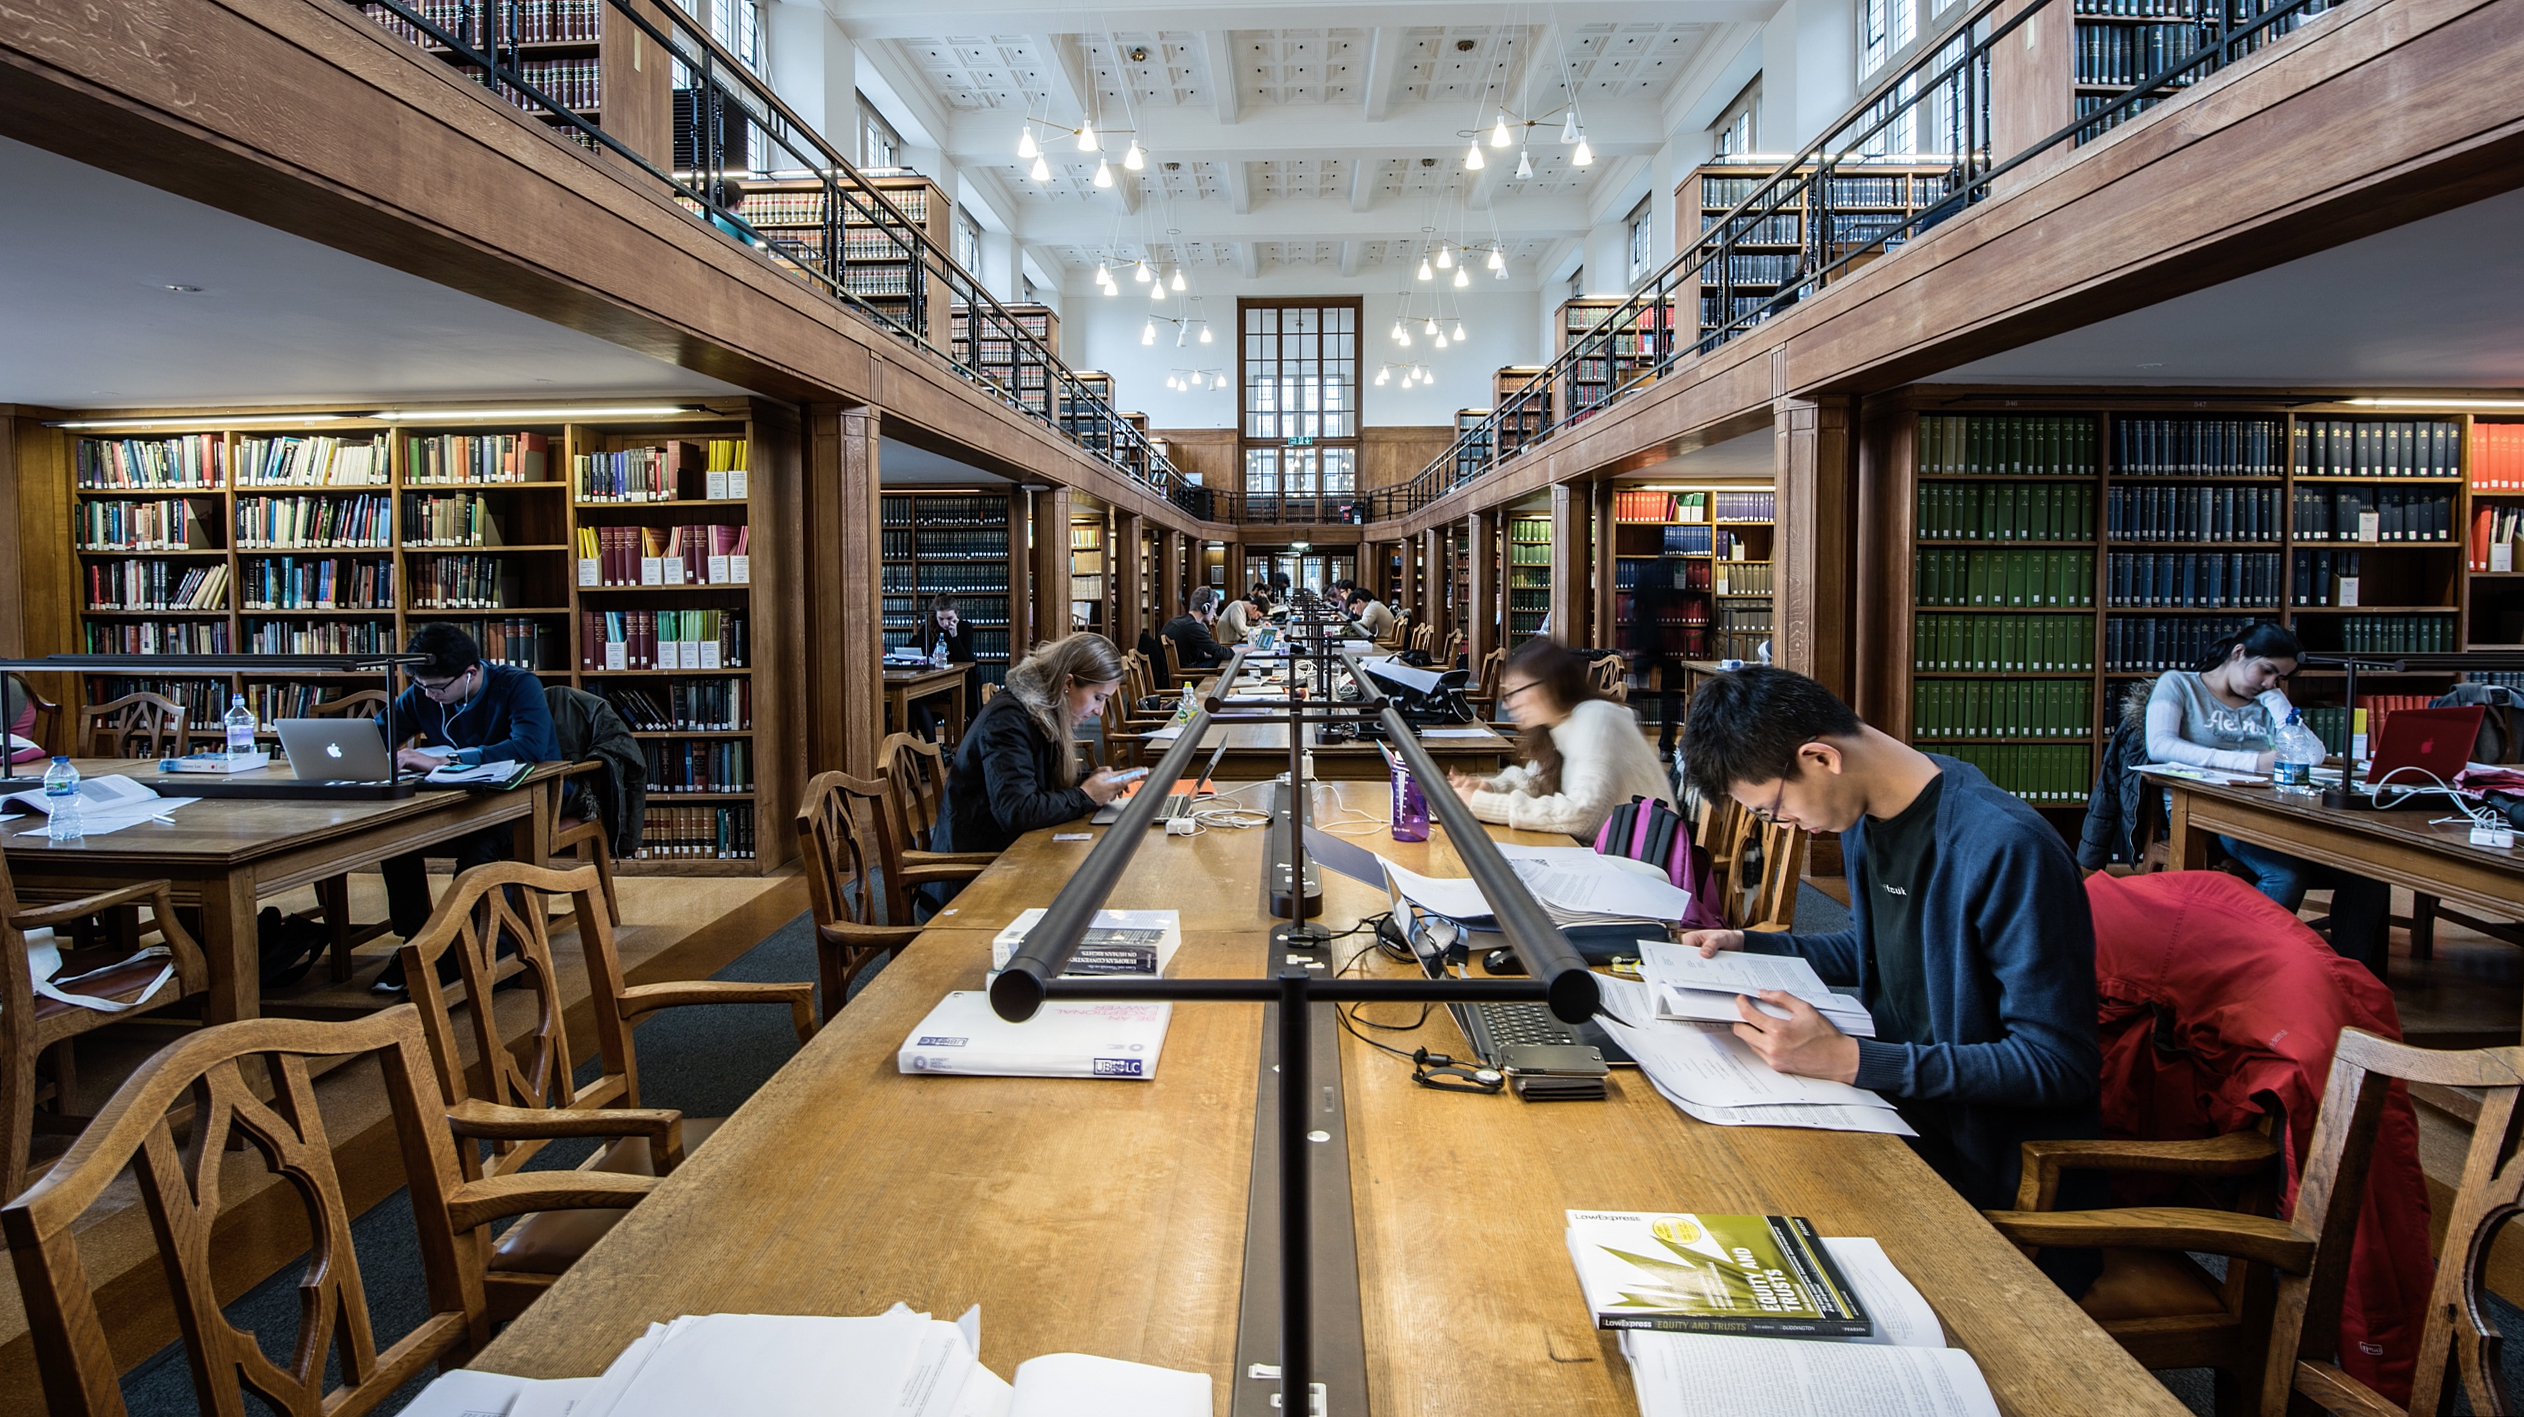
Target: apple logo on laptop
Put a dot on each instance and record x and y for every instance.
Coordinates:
(333, 750)
(2426, 746)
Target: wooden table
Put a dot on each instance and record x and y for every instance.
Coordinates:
(1109, 1218)
(905, 687)
(224, 855)
(1257, 752)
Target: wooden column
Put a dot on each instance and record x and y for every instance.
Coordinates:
(1237, 580)
(1436, 591)
(1602, 623)
(844, 642)
(1406, 590)
(1130, 590)
(1482, 620)
(1051, 564)
(1572, 562)
(1172, 566)
(1814, 602)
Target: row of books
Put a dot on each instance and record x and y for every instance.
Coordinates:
(1529, 553)
(2495, 530)
(157, 585)
(2497, 457)
(2378, 447)
(1743, 578)
(962, 543)
(2006, 511)
(2031, 579)
(2197, 447)
(669, 472)
(707, 833)
(316, 583)
(662, 639)
(313, 461)
(1778, 268)
(1630, 572)
(536, 21)
(665, 555)
(2003, 644)
(469, 458)
(1529, 531)
(450, 519)
(2330, 512)
(2002, 708)
(946, 511)
(191, 460)
(2043, 774)
(463, 582)
(2121, 55)
(1743, 506)
(515, 641)
(2325, 578)
(2006, 445)
(2396, 634)
(117, 525)
(2189, 513)
(2140, 9)
(2151, 644)
(686, 705)
(158, 637)
(365, 519)
(1636, 506)
(320, 637)
(272, 702)
(879, 280)
(700, 765)
(571, 83)
(1689, 540)
(1757, 229)
(950, 578)
(2185, 579)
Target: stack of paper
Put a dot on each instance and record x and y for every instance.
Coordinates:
(1708, 1072)
(1123, 942)
(108, 803)
(897, 1364)
(1575, 885)
(1705, 990)
(1076, 1039)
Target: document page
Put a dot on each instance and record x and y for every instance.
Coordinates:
(1683, 1374)
(1708, 1063)
(1077, 1385)
(1902, 1316)
(1689, 987)
(1598, 887)
(1455, 897)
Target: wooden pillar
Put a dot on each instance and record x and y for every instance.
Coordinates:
(1572, 562)
(1436, 590)
(1051, 564)
(1237, 579)
(1482, 620)
(844, 643)
(1814, 602)
(1171, 567)
(1130, 590)
(1602, 623)
(1406, 590)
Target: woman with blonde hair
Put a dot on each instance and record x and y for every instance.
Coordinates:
(1016, 770)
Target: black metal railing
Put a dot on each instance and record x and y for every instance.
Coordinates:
(849, 240)
(1927, 125)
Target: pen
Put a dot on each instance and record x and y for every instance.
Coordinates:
(166, 817)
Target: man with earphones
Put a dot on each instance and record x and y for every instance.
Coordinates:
(462, 711)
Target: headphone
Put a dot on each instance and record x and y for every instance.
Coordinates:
(1436, 1070)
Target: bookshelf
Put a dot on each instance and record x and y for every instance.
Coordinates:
(2494, 549)
(1645, 339)
(611, 557)
(1720, 541)
(2061, 555)
(2120, 42)
(1472, 443)
(949, 543)
(878, 266)
(587, 57)
(1828, 220)
(1087, 415)
(1524, 422)
(1089, 593)
(1528, 574)
(1000, 358)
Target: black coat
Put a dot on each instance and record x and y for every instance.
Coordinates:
(2122, 801)
(589, 727)
(1194, 645)
(1004, 782)
(959, 644)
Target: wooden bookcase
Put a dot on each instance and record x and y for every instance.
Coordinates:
(1472, 452)
(1090, 587)
(950, 542)
(1529, 419)
(1000, 358)
(2059, 551)
(1861, 201)
(1719, 540)
(1644, 341)
(1086, 419)
(590, 58)
(877, 266)
(483, 524)
(1528, 543)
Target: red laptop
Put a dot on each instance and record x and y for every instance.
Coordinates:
(2424, 747)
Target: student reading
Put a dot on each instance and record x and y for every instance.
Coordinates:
(2225, 713)
(1017, 769)
(1969, 938)
(1579, 754)
(472, 712)
(1194, 647)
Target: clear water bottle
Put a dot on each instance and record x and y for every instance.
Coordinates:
(2299, 750)
(1410, 807)
(938, 654)
(61, 802)
(240, 722)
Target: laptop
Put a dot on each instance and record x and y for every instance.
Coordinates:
(334, 749)
(1492, 1028)
(2421, 749)
(1178, 802)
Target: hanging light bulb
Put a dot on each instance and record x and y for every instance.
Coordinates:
(1222, 382)
(1441, 339)
(1171, 383)
(1177, 282)
(1445, 259)
(1463, 278)
(1499, 136)
(1397, 331)
(1472, 158)
(1431, 327)
(1204, 331)
(1112, 287)
(1025, 144)
(1524, 163)
(1086, 136)
(1584, 156)
(1569, 129)
(1156, 290)
(1042, 171)
(1103, 173)
(1148, 333)
(1405, 337)
(1425, 272)
(1139, 272)
(1102, 274)
(1498, 259)
(1459, 332)
(1132, 161)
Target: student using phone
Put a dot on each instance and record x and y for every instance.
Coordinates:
(1017, 769)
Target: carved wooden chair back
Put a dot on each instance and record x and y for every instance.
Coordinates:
(353, 705)
(840, 827)
(140, 725)
(1773, 900)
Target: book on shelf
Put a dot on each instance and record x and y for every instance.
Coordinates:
(2397, 633)
(2326, 577)
(2329, 512)
(2003, 644)
(115, 524)
(2497, 457)
(287, 460)
(518, 641)
(2045, 774)
(661, 639)
(2152, 644)
(2191, 512)
(2193, 579)
(664, 556)
(316, 583)
(2378, 447)
(461, 581)
(685, 705)
(192, 461)
(460, 458)
(2006, 511)
(2006, 445)
(1744, 506)
(699, 765)
(2002, 708)
(450, 519)
(157, 637)
(2494, 532)
(2197, 447)
(295, 522)
(320, 637)
(157, 585)
(2028, 578)
(723, 833)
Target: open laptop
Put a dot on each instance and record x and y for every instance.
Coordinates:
(1493, 1028)
(2421, 749)
(1178, 803)
(334, 749)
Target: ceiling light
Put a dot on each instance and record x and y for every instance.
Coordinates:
(1025, 144)
(1204, 331)
(1459, 332)
(1431, 327)
(1397, 328)
(1445, 259)
(1498, 259)
(1499, 136)
(1383, 374)
(1139, 272)
(1172, 383)
(1132, 160)
(1222, 382)
(1584, 156)
(1148, 333)
(1103, 276)
(1042, 171)
(1405, 337)
(1524, 164)
(1441, 339)
(1177, 282)
(1462, 278)
(2420, 403)
(1112, 287)
(1425, 376)
(526, 415)
(1569, 129)
(1086, 136)
(184, 290)
(1472, 158)
(1425, 272)
(1103, 173)
(1156, 290)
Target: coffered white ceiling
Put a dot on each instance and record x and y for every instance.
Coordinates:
(1283, 133)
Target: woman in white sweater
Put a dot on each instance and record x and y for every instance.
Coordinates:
(1582, 754)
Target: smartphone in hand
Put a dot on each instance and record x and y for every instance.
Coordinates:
(1134, 775)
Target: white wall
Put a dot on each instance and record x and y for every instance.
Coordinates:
(1103, 333)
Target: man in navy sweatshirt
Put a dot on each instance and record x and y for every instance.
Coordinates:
(468, 712)
(1969, 938)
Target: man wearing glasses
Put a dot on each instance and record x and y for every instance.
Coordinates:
(462, 711)
(1969, 937)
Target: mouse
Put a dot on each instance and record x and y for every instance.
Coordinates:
(1502, 961)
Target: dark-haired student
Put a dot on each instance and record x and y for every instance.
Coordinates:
(1969, 938)
(2225, 713)
(1194, 646)
(1579, 754)
(464, 711)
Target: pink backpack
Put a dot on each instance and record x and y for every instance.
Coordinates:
(1645, 829)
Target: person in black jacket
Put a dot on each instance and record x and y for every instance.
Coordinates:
(1016, 770)
(945, 636)
(1193, 644)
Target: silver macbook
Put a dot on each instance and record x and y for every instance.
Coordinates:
(334, 749)
(1178, 804)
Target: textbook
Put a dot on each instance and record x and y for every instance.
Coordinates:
(1761, 1275)
(1065, 1039)
(1116, 942)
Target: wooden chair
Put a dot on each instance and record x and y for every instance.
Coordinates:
(915, 780)
(1484, 696)
(1174, 661)
(858, 879)
(19, 699)
(528, 1094)
(1449, 646)
(1423, 637)
(1771, 905)
(1727, 833)
(141, 725)
(185, 1201)
(36, 1028)
(359, 704)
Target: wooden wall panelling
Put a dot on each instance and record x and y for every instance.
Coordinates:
(37, 568)
(1482, 618)
(1881, 620)
(1051, 564)
(783, 568)
(1392, 455)
(1021, 529)
(1171, 567)
(2031, 79)
(1572, 563)
(637, 89)
(1208, 452)
(1816, 487)
(1130, 590)
(1238, 577)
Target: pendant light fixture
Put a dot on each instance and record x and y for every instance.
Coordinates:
(1148, 333)
(1568, 128)
(1086, 135)
(1524, 163)
(1431, 327)
(1103, 173)
(1462, 278)
(1499, 136)
(1459, 332)
(1472, 158)
(1425, 272)
(1445, 259)
(1584, 156)
(1139, 272)
(1132, 161)
(1398, 336)
(1405, 337)
(1205, 332)
(1112, 287)
(1178, 278)
(1441, 339)
(1042, 171)
(1025, 144)
(1172, 382)
(1222, 382)
(1383, 374)
(1498, 259)
(1103, 274)
(1156, 291)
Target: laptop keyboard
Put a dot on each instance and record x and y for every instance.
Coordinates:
(1511, 1024)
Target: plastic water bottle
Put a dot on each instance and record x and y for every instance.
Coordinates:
(2298, 752)
(61, 802)
(240, 722)
(1410, 807)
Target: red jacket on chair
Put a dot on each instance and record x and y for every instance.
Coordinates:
(2253, 1003)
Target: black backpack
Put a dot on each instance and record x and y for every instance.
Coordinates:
(289, 944)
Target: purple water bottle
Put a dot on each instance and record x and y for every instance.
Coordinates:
(1410, 807)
